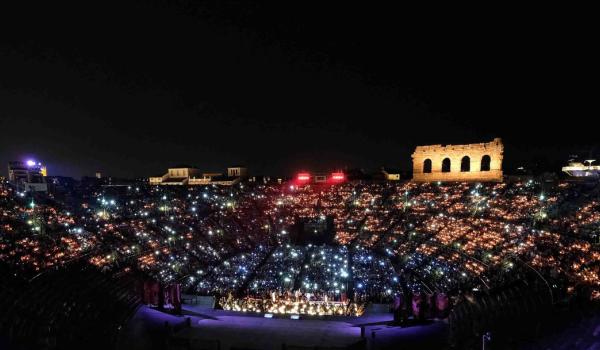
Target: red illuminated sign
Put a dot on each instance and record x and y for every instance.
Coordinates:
(338, 177)
(303, 177)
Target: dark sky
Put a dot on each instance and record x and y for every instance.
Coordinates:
(130, 89)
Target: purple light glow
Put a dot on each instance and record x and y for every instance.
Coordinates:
(31, 162)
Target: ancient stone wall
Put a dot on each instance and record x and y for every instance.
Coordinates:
(473, 162)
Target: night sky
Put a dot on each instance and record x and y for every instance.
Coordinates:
(130, 89)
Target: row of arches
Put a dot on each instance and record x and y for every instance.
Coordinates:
(465, 164)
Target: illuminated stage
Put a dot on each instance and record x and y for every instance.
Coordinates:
(229, 329)
(291, 307)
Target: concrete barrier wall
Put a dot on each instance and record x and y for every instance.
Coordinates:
(201, 300)
(377, 309)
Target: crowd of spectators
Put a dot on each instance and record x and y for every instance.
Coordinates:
(388, 238)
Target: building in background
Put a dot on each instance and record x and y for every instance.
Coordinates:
(187, 175)
(237, 171)
(260, 179)
(582, 171)
(390, 174)
(223, 180)
(28, 176)
(179, 175)
(472, 162)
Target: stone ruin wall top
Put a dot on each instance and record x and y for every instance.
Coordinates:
(493, 146)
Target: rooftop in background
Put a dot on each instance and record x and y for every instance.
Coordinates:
(28, 175)
(585, 170)
(193, 176)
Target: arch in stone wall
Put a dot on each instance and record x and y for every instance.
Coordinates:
(446, 165)
(465, 164)
(427, 166)
(486, 160)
